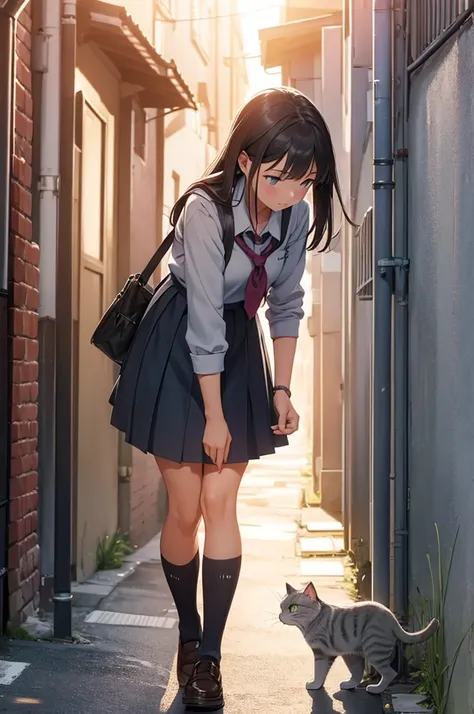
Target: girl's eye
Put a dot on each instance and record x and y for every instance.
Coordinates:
(272, 180)
(307, 183)
(293, 608)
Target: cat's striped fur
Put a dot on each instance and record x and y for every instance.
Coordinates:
(364, 631)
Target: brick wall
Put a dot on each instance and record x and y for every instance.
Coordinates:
(23, 556)
(144, 494)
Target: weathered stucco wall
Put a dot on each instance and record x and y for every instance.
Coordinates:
(441, 392)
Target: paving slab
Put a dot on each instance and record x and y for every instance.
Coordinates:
(409, 704)
(317, 519)
(322, 567)
(250, 516)
(321, 545)
(149, 553)
(324, 527)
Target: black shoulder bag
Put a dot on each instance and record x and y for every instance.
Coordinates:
(117, 326)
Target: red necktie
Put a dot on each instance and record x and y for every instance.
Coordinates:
(256, 287)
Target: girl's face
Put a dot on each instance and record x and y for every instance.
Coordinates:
(275, 190)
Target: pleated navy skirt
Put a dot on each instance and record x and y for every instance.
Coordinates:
(157, 401)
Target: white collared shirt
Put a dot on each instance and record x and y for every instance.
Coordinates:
(197, 261)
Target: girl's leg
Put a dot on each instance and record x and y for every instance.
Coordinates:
(222, 552)
(179, 544)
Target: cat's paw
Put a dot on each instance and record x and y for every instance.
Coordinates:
(349, 684)
(313, 686)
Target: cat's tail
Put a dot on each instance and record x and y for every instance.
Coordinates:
(412, 638)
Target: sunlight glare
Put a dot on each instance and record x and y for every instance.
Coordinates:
(257, 14)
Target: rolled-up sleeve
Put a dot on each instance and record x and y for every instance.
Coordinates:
(285, 297)
(204, 275)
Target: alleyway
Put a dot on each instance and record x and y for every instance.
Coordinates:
(131, 669)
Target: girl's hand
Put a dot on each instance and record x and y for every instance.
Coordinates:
(288, 419)
(216, 441)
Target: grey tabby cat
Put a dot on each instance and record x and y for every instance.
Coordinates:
(364, 631)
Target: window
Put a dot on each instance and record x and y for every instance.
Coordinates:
(200, 26)
(194, 119)
(139, 131)
(176, 181)
(93, 184)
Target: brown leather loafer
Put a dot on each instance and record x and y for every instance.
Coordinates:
(187, 658)
(204, 689)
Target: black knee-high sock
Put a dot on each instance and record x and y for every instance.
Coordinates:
(219, 579)
(182, 581)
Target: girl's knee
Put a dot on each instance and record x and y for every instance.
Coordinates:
(185, 516)
(218, 503)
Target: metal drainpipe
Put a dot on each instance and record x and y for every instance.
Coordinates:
(49, 65)
(382, 303)
(400, 335)
(62, 597)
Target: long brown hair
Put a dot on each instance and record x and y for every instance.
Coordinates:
(273, 125)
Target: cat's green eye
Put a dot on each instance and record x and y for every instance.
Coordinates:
(293, 608)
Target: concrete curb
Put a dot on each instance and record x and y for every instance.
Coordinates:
(91, 592)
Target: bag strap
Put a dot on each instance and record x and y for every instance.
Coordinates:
(285, 222)
(156, 258)
(160, 253)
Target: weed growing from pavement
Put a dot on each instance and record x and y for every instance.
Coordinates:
(111, 550)
(432, 670)
(311, 497)
(15, 632)
(350, 580)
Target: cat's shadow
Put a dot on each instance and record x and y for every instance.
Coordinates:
(322, 702)
(353, 702)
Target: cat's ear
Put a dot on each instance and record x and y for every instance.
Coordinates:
(310, 591)
(290, 589)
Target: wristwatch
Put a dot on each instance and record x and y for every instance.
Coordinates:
(282, 388)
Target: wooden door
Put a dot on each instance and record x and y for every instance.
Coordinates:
(97, 451)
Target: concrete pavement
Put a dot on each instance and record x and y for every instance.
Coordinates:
(129, 667)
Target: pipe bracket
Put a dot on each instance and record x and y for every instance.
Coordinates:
(49, 184)
(395, 272)
(39, 52)
(62, 597)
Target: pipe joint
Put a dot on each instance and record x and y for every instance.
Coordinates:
(383, 184)
(395, 272)
(69, 11)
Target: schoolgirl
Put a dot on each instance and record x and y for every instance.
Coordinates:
(196, 389)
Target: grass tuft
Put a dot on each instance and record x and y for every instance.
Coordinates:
(432, 670)
(16, 632)
(111, 550)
